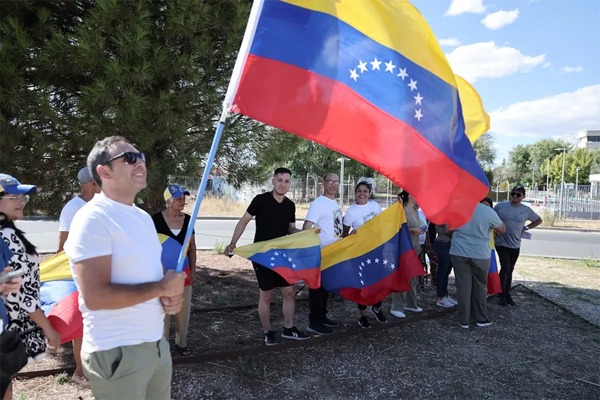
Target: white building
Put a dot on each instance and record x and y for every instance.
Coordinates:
(589, 139)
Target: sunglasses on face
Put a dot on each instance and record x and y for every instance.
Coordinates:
(130, 157)
(19, 198)
(515, 194)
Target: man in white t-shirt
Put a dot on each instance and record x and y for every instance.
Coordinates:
(123, 293)
(325, 214)
(88, 190)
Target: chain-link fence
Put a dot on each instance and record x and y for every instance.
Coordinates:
(581, 202)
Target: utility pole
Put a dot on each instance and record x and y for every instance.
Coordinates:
(562, 183)
(341, 160)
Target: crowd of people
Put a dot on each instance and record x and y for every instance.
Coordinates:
(128, 291)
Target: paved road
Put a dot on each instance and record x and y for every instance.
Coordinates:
(545, 242)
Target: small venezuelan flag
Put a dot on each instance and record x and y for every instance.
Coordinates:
(295, 257)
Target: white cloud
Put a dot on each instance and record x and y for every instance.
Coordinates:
(500, 19)
(458, 7)
(569, 70)
(547, 64)
(552, 116)
(487, 60)
(451, 42)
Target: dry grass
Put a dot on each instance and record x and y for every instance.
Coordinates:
(534, 350)
(224, 207)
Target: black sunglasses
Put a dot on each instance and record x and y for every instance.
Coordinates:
(515, 194)
(130, 157)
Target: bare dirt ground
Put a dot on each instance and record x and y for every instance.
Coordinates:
(540, 349)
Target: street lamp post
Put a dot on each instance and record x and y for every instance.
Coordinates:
(562, 183)
(341, 161)
(577, 187)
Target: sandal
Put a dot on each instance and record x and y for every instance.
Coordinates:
(184, 351)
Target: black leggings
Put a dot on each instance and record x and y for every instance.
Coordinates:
(362, 307)
(508, 258)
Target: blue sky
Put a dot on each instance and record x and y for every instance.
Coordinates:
(535, 63)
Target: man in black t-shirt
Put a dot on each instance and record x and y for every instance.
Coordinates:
(275, 217)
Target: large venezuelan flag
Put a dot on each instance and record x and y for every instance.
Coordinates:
(375, 261)
(368, 79)
(295, 257)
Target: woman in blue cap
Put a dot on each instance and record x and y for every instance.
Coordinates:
(25, 314)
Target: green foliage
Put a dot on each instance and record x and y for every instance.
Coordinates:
(153, 71)
(61, 378)
(220, 246)
(485, 151)
(591, 262)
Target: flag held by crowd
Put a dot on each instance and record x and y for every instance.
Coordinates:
(493, 279)
(295, 257)
(372, 263)
(367, 79)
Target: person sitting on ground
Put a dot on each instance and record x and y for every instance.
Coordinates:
(173, 223)
(275, 217)
(362, 211)
(470, 253)
(408, 300)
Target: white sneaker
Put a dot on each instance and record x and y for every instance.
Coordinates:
(416, 309)
(398, 314)
(451, 300)
(444, 303)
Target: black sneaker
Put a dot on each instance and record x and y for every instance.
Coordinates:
(271, 338)
(378, 314)
(330, 323)
(483, 324)
(294, 334)
(502, 301)
(510, 301)
(364, 323)
(319, 329)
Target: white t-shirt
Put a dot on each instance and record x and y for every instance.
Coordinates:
(424, 222)
(68, 212)
(357, 215)
(106, 227)
(326, 214)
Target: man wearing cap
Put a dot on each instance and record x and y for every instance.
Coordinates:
(173, 223)
(88, 189)
(508, 244)
(123, 292)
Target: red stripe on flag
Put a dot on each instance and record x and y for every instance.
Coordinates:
(330, 113)
(312, 277)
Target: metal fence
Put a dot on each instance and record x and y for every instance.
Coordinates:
(581, 202)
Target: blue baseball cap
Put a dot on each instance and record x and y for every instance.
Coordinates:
(174, 191)
(10, 185)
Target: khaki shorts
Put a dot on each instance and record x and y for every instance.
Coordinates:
(141, 371)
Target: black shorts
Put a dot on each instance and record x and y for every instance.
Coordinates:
(267, 278)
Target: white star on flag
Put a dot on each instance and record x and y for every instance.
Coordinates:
(362, 66)
(353, 75)
(418, 98)
(375, 64)
(377, 261)
(418, 115)
(389, 67)
(412, 85)
(368, 261)
(402, 74)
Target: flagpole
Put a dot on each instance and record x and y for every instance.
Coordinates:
(234, 82)
(202, 188)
